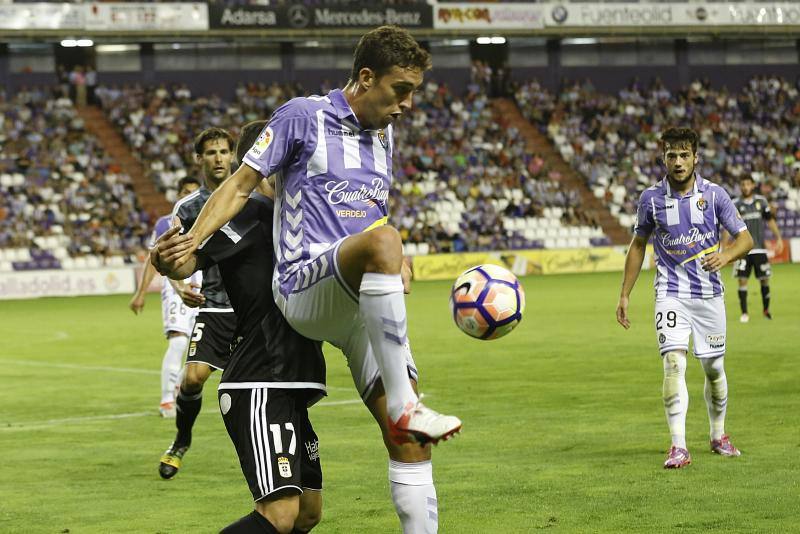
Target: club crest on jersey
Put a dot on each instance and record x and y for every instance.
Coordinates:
(702, 204)
(382, 138)
(283, 467)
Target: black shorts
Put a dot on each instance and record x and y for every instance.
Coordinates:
(211, 339)
(277, 446)
(758, 263)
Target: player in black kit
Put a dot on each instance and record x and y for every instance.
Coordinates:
(757, 214)
(209, 345)
(272, 376)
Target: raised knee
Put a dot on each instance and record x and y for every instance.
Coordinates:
(385, 240)
(384, 250)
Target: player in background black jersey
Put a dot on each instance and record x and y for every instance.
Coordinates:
(209, 345)
(757, 213)
(272, 376)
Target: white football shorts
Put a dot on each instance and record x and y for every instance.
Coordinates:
(703, 320)
(176, 316)
(327, 310)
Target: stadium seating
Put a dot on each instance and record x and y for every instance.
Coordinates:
(60, 195)
(160, 123)
(755, 131)
(465, 182)
(475, 193)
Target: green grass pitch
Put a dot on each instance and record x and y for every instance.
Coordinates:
(563, 423)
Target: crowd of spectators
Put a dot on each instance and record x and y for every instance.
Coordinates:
(57, 184)
(455, 155)
(612, 140)
(160, 123)
(459, 172)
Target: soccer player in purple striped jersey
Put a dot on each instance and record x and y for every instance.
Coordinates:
(339, 265)
(177, 317)
(683, 212)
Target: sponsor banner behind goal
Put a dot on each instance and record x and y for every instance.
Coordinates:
(42, 16)
(297, 16)
(526, 262)
(127, 16)
(623, 14)
(488, 16)
(66, 283)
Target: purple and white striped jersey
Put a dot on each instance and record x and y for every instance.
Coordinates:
(684, 230)
(332, 180)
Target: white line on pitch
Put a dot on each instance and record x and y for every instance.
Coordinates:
(33, 425)
(54, 422)
(36, 363)
(54, 365)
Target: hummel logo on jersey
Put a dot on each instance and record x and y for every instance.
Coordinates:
(341, 133)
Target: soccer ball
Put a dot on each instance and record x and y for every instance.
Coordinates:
(487, 301)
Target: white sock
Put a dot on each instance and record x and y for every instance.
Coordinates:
(716, 393)
(414, 496)
(383, 310)
(171, 366)
(676, 396)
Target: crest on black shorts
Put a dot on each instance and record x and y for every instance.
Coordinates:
(382, 138)
(702, 204)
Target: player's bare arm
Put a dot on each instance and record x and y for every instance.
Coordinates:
(725, 239)
(267, 187)
(777, 233)
(137, 301)
(633, 266)
(228, 200)
(188, 293)
(407, 274)
(741, 245)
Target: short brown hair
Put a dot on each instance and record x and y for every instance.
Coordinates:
(187, 180)
(679, 136)
(386, 47)
(210, 134)
(247, 137)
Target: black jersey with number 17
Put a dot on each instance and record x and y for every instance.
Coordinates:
(266, 351)
(187, 210)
